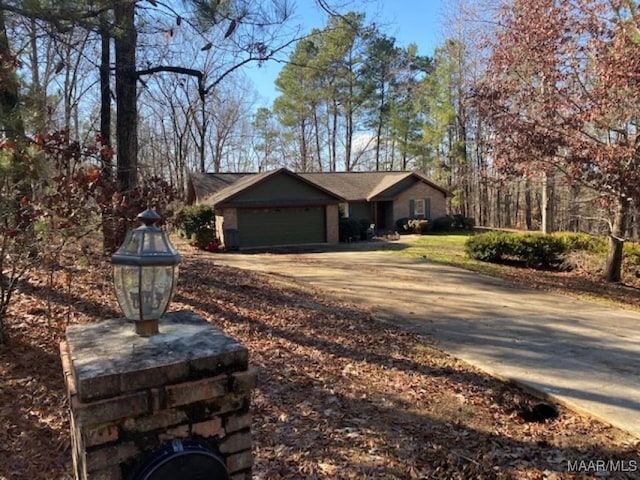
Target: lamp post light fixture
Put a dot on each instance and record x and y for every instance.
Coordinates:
(145, 272)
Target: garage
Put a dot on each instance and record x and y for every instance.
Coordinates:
(261, 227)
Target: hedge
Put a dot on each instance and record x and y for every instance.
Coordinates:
(532, 249)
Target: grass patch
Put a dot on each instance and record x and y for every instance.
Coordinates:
(448, 249)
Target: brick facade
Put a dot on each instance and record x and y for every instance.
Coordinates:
(200, 393)
(227, 220)
(333, 216)
(417, 191)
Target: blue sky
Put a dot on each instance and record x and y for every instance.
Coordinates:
(408, 21)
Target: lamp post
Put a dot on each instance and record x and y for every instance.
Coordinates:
(145, 272)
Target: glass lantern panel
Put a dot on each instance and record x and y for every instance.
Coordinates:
(144, 292)
(126, 282)
(131, 243)
(154, 242)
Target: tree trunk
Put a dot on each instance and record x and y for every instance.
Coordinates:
(10, 114)
(105, 98)
(203, 136)
(125, 37)
(613, 268)
(574, 208)
(547, 202)
(528, 205)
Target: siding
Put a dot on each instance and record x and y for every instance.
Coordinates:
(283, 190)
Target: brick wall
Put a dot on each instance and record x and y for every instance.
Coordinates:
(332, 217)
(228, 219)
(119, 419)
(418, 191)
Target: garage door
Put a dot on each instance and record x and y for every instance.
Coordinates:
(281, 226)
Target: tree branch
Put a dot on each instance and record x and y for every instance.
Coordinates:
(182, 70)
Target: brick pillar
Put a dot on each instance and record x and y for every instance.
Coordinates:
(130, 395)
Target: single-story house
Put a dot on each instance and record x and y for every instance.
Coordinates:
(285, 208)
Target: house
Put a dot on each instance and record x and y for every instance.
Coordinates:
(284, 208)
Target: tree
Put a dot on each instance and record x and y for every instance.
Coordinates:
(266, 134)
(562, 94)
(379, 70)
(295, 107)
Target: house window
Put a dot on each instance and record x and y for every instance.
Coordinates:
(420, 208)
(344, 210)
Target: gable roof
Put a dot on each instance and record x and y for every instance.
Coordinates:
(221, 188)
(207, 184)
(365, 186)
(218, 188)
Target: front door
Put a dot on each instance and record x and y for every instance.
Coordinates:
(384, 217)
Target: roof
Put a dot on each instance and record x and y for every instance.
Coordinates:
(206, 184)
(353, 186)
(217, 188)
(360, 186)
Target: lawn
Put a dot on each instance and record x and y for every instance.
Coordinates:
(340, 396)
(449, 249)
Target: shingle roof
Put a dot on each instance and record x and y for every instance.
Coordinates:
(207, 184)
(359, 186)
(351, 186)
(243, 182)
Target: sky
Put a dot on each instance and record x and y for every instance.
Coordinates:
(408, 21)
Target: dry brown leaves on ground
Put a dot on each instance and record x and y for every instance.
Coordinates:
(340, 396)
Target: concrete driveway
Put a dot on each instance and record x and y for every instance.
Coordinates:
(582, 354)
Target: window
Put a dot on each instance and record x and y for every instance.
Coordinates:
(420, 208)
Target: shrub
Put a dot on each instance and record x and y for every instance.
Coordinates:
(583, 241)
(197, 223)
(363, 228)
(402, 225)
(203, 238)
(352, 230)
(564, 251)
(488, 247)
(538, 250)
(442, 224)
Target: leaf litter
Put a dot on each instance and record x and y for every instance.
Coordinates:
(340, 395)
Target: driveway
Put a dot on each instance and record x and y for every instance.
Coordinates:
(581, 354)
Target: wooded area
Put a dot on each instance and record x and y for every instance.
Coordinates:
(527, 113)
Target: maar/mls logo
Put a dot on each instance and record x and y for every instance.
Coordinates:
(591, 466)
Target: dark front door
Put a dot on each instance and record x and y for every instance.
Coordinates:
(384, 216)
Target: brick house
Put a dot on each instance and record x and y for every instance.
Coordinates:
(284, 208)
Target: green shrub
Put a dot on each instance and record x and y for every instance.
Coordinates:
(402, 225)
(535, 250)
(202, 238)
(460, 222)
(489, 247)
(197, 223)
(538, 250)
(583, 241)
(363, 227)
(352, 230)
(442, 224)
